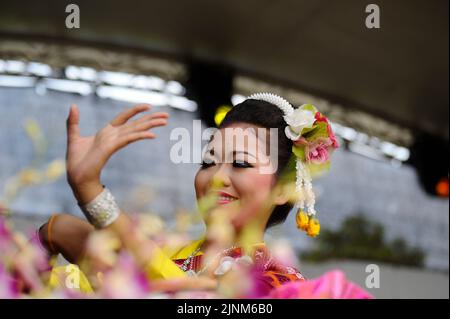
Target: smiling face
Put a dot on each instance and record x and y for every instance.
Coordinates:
(233, 169)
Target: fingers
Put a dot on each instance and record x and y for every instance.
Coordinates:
(156, 115)
(144, 125)
(129, 113)
(73, 129)
(150, 124)
(133, 137)
(138, 130)
(132, 124)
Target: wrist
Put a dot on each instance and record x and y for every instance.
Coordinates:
(85, 192)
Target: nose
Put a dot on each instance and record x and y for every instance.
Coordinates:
(221, 177)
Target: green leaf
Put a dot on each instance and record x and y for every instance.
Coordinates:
(308, 130)
(319, 131)
(299, 152)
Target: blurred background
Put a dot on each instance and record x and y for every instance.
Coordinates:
(385, 200)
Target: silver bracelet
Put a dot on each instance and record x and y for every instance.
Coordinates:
(102, 211)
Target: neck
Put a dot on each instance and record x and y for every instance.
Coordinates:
(246, 238)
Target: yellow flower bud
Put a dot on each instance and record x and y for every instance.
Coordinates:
(302, 220)
(313, 227)
(29, 176)
(55, 169)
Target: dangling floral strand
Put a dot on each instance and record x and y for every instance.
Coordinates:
(314, 142)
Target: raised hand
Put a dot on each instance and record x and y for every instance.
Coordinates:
(87, 155)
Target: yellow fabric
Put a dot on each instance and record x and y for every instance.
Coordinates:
(160, 267)
(186, 251)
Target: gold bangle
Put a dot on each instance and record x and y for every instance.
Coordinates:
(49, 234)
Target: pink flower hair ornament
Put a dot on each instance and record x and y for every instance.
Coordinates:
(314, 142)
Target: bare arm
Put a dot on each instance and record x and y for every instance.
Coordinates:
(68, 235)
(86, 156)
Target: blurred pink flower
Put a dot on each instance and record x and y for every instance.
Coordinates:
(8, 286)
(29, 262)
(125, 280)
(332, 285)
(5, 233)
(40, 256)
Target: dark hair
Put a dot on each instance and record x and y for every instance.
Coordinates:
(266, 115)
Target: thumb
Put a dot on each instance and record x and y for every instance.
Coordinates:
(72, 123)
